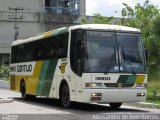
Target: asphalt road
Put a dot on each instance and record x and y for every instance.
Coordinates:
(4, 84)
(50, 109)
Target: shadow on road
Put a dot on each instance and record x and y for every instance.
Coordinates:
(77, 108)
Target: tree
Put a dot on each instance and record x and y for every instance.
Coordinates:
(140, 17)
(153, 42)
(98, 19)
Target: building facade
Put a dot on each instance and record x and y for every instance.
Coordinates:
(34, 17)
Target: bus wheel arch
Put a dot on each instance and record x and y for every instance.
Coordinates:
(23, 89)
(115, 105)
(24, 95)
(64, 94)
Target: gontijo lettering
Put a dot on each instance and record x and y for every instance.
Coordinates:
(21, 68)
(24, 68)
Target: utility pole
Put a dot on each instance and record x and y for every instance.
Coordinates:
(15, 18)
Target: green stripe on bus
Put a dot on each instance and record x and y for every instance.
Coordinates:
(60, 31)
(49, 77)
(42, 77)
(122, 78)
(131, 79)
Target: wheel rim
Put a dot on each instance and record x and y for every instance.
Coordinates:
(65, 96)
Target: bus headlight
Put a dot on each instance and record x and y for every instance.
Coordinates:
(96, 96)
(93, 85)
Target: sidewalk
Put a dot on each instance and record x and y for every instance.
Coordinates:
(144, 105)
(4, 85)
(5, 100)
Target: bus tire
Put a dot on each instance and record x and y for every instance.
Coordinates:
(65, 96)
(23, 91)
(115, 105)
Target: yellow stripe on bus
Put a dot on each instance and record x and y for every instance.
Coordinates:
(32, 81)
(140, 79)
(47, 34)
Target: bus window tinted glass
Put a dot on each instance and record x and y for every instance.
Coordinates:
(131, 52)
(47, 48)
(100, 52)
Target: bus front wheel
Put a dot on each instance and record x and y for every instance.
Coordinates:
(65, 96)
(115, 105)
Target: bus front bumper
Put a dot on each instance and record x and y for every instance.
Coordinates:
(114, 95)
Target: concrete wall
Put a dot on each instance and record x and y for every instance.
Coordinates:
(28, 5)
(82, 7)
(31, 21)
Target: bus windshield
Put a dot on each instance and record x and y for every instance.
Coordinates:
(111, 52)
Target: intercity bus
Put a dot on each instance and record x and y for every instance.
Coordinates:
(89, 63)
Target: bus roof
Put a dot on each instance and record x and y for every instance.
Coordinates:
(66, 29)
(105, 27)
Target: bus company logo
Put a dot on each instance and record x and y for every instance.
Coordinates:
(62, 67)
(102, 78)
(21, 68)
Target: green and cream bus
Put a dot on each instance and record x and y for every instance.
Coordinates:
(89, 63)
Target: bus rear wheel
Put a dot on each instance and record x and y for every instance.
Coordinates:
(23, 92)
(65, 96)
(115, 105)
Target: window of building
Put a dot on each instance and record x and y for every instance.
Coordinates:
(71, 7)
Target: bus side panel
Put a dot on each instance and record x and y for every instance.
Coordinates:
(46, 77)
(37, 82)
(32, 80)
(13, 82)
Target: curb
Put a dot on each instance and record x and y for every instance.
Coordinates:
(5, 100)
(144, 105)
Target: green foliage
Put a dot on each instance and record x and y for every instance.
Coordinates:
(84, 21)
(4, 71)
(153, 43)
(140, 16)
(153, 92)
(98, 19)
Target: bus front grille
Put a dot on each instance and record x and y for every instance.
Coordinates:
(118, 85)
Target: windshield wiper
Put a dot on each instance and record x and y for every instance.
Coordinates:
(127, 61)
